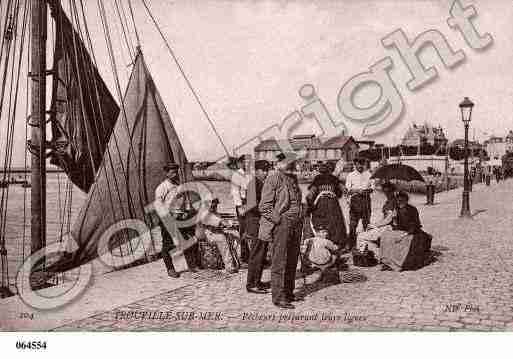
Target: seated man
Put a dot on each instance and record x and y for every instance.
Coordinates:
(407, 245)
(211, 229)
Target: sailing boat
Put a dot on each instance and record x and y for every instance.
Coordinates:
(113, 152)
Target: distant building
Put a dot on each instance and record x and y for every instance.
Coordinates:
(425, 134)
(498, 146)
(318, 149)
(472, 145)
(365, 145)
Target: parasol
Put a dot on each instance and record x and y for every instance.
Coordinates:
(398, 171)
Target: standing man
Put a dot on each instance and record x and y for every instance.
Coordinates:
(239, 200)
(258, 247)
(359, 186)
(167, 202)
(280, 223)
(487, 174)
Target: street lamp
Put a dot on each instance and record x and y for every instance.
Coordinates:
(466, 114)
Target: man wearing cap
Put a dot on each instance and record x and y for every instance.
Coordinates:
(238, 192)
(168, 202)
(280, 208)
(258, 247)
(359, 186)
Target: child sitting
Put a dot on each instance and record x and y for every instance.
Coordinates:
(319, 251)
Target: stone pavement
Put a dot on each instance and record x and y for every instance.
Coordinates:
(468, 286)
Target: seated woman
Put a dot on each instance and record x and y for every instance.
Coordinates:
(211, 230)
(406, 246)
(374, 230)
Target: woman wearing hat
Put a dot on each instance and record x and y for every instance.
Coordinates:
(374, 230)
(406, 246)
(323, 205)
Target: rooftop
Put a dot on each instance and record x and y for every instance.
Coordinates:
(308, 141)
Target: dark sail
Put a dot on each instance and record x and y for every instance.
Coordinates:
(83, 112)
(143, 141)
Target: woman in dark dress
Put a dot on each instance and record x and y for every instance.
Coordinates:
(324, 208)
(407, 246)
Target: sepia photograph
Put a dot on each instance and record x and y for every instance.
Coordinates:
(255, 166)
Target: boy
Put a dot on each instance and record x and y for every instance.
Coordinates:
(319, 251)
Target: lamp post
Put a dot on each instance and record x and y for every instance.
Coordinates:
(466, 115)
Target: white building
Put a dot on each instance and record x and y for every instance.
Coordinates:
(498, 146)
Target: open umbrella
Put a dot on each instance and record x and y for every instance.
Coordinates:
(398, 171)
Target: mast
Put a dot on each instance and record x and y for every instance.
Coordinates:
(38, 121)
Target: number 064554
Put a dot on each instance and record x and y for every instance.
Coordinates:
(31, 345)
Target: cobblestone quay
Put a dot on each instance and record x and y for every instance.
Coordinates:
(468, 285)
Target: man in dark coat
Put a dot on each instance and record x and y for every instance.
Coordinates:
(258, 247)
(280, 223)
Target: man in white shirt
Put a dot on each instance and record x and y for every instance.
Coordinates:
(359, 186)
(167, 202)
(239, 195)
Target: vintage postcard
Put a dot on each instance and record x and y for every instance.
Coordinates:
(264, 165)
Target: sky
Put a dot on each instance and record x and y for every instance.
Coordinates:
(247, 60)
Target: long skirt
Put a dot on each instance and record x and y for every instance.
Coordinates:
(327, 213)
(402, 251)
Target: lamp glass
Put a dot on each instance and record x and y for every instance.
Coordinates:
(466, 107)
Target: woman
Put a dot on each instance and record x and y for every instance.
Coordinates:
(374, 230)
(406, 246)
(323, 206)
(210, 231)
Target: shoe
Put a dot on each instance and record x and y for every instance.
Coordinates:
(232, 271)
(256, 290)
(172, 273)
(264, 285)
(384, 268)
(295, 298)
(284, 304)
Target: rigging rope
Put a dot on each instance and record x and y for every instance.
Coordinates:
(113, 135)
(8, 17)
(126, 38)
(13, 100)
(185, 77)
(118, 89)
(25, 153)
(133, 22)
(74, 17)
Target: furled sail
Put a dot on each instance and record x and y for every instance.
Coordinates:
(83, 112)
(143, 141)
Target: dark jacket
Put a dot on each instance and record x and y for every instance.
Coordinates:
(281, 197)
(407, 219)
